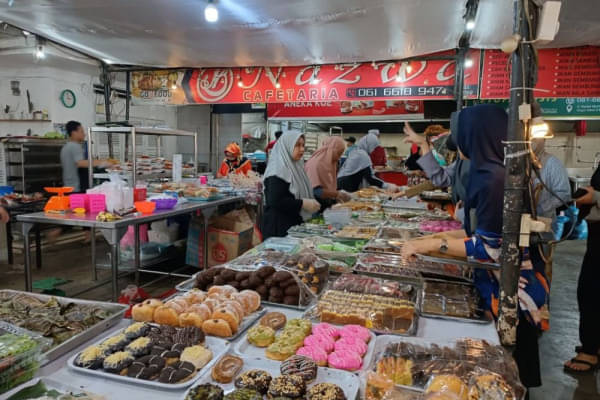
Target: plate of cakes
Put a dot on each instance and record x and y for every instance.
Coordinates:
(153, 355)
(297, 377)
(222, 311)
(348, 347)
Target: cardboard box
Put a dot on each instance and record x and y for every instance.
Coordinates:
(229, 236)
(194, 254)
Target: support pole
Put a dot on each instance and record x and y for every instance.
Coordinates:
(517, 177)
(107, 90)
(459, 77)
(127, 100)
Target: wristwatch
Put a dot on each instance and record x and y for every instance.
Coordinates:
(444, 246)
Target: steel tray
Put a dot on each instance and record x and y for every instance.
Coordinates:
(118, 310)
(52, 384)
(218, 346)
(347, 381)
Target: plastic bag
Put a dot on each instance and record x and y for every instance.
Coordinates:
(118, 194)
(561, 226)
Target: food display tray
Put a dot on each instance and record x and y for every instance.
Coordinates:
(244, 348)
(116, 314)
(468, 263)
(188, 285)
(347, 381)
(211, 198)
(218, 346)
(481, 319)
(52, 384)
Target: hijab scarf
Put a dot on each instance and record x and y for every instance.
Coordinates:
(234, 149)
(482, 128)
(282, 165)
(322, 167)
(360, 159)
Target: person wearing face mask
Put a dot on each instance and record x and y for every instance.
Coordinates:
(289, 198)
(321, 169)
(359, 167)
(234, 162)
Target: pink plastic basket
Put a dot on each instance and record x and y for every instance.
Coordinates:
(79, 201)
(97, 202)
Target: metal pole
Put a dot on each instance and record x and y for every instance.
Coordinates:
(127, 99)
(196, 154)
(90, 163)
(107, 89)
(133, 156)
(459, 78)
(516, 179)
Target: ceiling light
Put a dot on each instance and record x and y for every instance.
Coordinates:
(211, 12)
(26, 33)
(468, 63)
(39, 52)
(470, 25)
(540, 129)
(315, 81)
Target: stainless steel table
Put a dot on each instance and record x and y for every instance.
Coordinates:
(113, 232)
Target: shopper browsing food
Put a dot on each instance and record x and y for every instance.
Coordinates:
(588, 353)
(272, 142)
(74, 164)
(359, 167)
(321, 169)
(289, 197)
(378, 156)
(234, 162)
(481, 131)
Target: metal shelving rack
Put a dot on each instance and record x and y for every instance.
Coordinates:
(133, 131)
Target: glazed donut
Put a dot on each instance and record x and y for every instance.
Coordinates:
(274, 320)
(253, 299)
(328, 391)
(178, 304)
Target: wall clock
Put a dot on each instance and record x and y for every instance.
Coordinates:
(67, 98)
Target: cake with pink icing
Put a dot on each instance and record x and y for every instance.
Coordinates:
(356, 331)
(326, 329)
(355, 345)
(317, 354)
(347, 360)
(325, 342)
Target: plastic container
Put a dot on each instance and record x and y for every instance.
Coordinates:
(6, 190)
(203, 180)
(96, 202)
(20, 355)
(145, 207)
(140, 192)
(338, 218)
(79, 200)
(165, 203)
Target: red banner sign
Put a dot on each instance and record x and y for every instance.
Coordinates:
(366, 109)
(571, 72)
(415, 80)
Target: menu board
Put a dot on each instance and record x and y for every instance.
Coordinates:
(570, 72)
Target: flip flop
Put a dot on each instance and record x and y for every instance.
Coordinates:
(574, 360)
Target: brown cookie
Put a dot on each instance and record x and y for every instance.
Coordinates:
(281, 276)
(266, 271)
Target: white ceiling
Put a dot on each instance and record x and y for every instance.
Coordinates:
(173, 33)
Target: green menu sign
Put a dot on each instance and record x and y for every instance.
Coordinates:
(558, 108)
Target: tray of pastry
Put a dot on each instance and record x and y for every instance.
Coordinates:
(222, 311)
(384, 246)
(347, 347)
(458, 368)
(159, 356)
(406, 232)
(386, 266)
(452, 300)
(357, 232)
(255, 378)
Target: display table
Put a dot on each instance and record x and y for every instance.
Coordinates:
(112, 232)
(59, 371)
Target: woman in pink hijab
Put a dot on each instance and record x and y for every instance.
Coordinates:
(322, 168)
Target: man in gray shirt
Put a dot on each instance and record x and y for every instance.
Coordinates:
(72, 158)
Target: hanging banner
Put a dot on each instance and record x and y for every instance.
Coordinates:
(405, 109)
(570, 72)
(558, 108)
(415, 80)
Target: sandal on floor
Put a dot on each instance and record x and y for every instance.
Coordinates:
(575, 360)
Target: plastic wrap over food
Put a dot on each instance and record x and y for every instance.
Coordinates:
(385, 265)
(380, 305)
(465, 368)
(408, 231)
(258, 258)
(439, 226)
(357, 232)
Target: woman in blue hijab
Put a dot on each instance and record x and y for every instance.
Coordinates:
(481, 131)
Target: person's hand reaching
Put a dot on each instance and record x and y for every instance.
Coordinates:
(412, 136)
(4, 216)
(343, 196)
(310, 205)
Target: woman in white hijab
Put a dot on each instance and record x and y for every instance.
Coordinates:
(358, 167)
(289, 196)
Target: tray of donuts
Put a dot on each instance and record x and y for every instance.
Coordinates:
(347, 348)
(276, 285)
(253, 378)
(160, 356)
(222, 311)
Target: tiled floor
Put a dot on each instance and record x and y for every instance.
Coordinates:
(557, 345)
